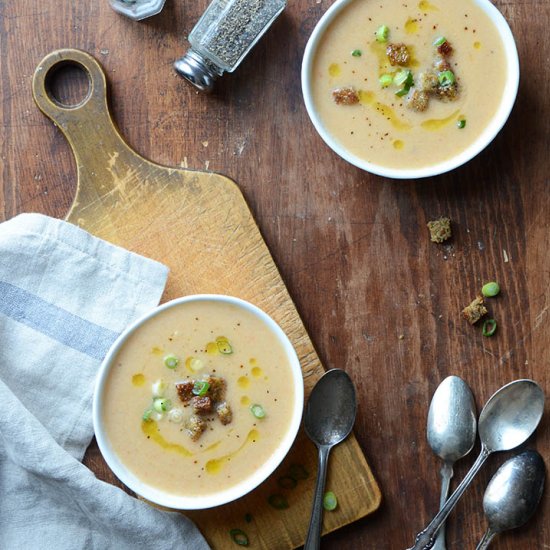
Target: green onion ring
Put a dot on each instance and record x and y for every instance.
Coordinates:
(298, 471)
(330, 502)
(489, 327)
(279, 502)
(239, 537)
(287, 482)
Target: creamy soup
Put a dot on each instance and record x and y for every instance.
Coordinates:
(198, 398)
(453, 43)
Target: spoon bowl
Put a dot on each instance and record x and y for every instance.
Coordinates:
(513, 494)
(452, 420)
(451, 432)
(508, 418)
(329, 418)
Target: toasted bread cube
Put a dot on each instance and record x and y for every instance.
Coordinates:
(440, 230)
(475, 311)
(223, 410)
(195, 426)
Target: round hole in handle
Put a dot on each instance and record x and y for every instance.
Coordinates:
(68, 84)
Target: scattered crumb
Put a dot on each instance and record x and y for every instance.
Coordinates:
(440, 230)
(205, 143)
(505, 254)
(475, 311)
(401, 337)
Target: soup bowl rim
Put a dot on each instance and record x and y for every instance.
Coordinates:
(488, 134)
(223, 496)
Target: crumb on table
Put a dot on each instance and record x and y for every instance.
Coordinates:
(475, 311)
(440, 230)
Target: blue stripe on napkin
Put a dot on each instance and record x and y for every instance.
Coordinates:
(55, 322)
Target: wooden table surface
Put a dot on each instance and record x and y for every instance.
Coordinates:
(377, 298)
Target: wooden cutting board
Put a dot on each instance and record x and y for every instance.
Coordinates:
(199, 224)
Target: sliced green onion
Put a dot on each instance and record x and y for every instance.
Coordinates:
(461, 123)
(287, 482)
(159, 388)
(403, 78)
(223, 345)
(200, 388)
(382, 33)
(439, 41)
(239, 537)
(171, 361)
(489, 327)
(161, 404)
(194, 364)
(146, 417)
(356, 53)
(385, 80)
(248, 517)
(446, 78)
(175, 416)
(490, 289)
(330, 502)
(298, 471)
(257, 410)
(278, 501)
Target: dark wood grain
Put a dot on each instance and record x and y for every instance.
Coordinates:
(352, 247)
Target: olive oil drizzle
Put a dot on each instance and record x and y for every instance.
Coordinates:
(215, 465)
(434, 124)
(151, 430)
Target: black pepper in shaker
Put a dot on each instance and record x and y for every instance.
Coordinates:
(224, 35)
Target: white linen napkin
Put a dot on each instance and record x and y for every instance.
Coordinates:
(64, 298)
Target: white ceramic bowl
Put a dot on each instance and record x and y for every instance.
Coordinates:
(492, 129)
(198, 502)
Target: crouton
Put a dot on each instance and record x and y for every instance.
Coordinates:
(185, 390)
(223, 410)
(475, 311)
(201, 405)
(216, 390)
(398, 54)
(345, 96)
(195, 426)
(426, 81)
(441, 64)
(440, 230)
(445, 49)
(417, 100)
(447, 93)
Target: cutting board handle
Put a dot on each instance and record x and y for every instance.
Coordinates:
(102, 156)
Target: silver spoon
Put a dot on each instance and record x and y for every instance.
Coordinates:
(451, 432)
(513, 494)
(329, 418)
(508, 419)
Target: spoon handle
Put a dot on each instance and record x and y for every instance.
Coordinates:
(425, 539)
(486, 539)
(313, 540)
(446, 476)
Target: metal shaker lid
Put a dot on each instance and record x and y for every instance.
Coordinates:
(194, 69)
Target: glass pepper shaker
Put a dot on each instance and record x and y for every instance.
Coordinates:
(223, 36)
(137, 9)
